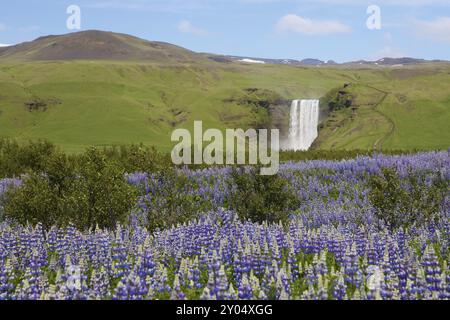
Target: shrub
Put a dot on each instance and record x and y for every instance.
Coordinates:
(414, 200)
(261, 198)
(16, 159)
(108, 198)
(139, 158)
(173, 199)
(93, 193)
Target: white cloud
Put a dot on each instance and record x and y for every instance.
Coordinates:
(438, 29)
(186, 26)
(297, 24)
(4, 45)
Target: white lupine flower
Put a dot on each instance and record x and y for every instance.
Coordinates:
(375, 278)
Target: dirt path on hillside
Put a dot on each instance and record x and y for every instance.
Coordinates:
(378, 145)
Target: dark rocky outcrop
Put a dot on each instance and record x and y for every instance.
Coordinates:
(262, 98)
(338, 98)
(40, 104)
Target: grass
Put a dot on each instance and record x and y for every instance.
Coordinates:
(393, 112)
(110, 103)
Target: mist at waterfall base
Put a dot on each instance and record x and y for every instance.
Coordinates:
(303, 125)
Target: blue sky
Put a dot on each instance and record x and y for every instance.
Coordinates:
(296, 29)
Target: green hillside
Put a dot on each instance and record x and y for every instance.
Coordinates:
(404, 108)
(97, 102)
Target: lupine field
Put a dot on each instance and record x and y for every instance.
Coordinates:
(335, 245)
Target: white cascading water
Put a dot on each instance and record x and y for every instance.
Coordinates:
(303, 126)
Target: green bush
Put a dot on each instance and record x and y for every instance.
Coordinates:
(172, 202)
(35, 201)
(139, 158)
(261, 198)
(16, 159)
(90, 194)
(402, 203)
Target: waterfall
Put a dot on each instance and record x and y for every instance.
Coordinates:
(304, 121)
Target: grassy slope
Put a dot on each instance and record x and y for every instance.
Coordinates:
(104, 103)
(406, 108)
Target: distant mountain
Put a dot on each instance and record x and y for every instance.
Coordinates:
(317, 62)
(102, 45)
(265, 60)
(97, 45)
(312, 62)
(393, 61)
(304, 62)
